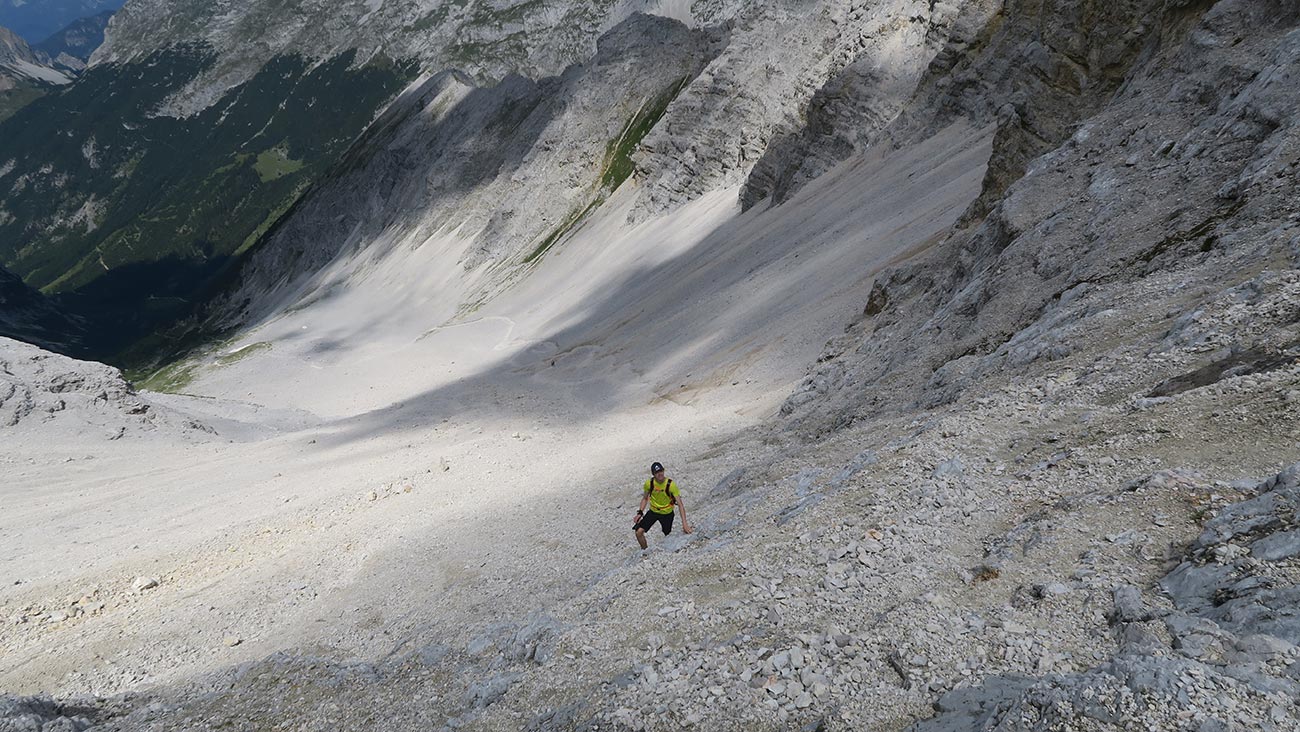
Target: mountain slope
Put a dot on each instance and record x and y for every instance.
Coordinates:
(686, 139)
(25, 74)
(18, 61)
(494, 175)
(72, 46)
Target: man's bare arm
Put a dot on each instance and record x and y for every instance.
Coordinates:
(681, 506)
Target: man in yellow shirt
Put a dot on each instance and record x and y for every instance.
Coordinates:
(660, 494)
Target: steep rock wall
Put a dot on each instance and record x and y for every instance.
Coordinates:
(1187, 169)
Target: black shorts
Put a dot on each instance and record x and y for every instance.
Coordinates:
(665, 520)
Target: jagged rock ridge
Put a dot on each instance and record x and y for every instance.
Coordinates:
(504, 172)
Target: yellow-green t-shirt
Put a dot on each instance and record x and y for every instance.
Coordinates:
(658, 492)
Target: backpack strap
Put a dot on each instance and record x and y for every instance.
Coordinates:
(649, 487)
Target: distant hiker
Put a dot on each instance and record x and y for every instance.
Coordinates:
(660, 494)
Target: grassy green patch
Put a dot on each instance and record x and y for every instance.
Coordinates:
(15, 99)
(170, 379)
(270, 220)
(618, 165)
(227, 359)
(569, 224)
(618, 155)
(235, 162)
(275, 163)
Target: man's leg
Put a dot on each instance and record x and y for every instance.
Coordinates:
(666, 523)
(646, 522)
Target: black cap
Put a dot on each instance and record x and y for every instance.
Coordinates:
(656, 467)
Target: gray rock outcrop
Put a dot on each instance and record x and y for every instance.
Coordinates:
(44, 714)
(40, 389)
(1224, 656)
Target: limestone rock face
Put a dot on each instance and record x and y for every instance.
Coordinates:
(45, 393)
(1182, 168)
(1030, 68)
(1233, 628)
(879, 75)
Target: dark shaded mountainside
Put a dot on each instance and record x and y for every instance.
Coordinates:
(29, 316)
(128, 217)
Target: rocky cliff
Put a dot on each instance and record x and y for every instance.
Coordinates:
(1180, 171)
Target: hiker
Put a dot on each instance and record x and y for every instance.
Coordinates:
(660, 494)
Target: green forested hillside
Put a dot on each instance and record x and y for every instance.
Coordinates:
(125, 216)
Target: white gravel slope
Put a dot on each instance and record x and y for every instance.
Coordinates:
(375, 471)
